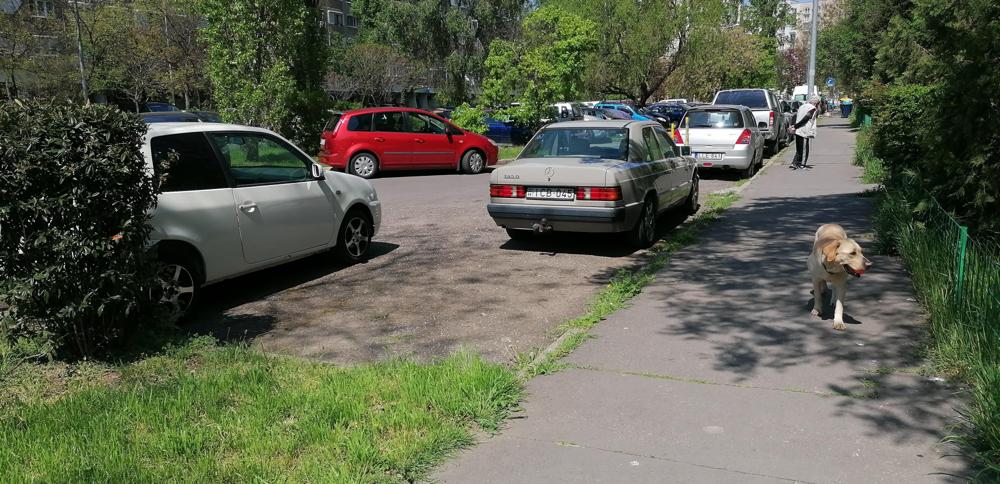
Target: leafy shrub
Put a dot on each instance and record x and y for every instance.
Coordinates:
(74, 203)
(470, 118)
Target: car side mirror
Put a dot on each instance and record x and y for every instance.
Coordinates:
(685, 150)
(317, 171)
(762, 125)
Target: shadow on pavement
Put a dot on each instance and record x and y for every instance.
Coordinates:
(211, 314)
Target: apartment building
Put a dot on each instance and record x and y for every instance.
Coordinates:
(338, 19)
(827, 12)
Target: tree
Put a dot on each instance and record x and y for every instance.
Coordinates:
(451, 35)
(182, 51)
(766, 17)
(792, 65)
(373, 73)
(267, 63)
(722, 58)
(546, 65)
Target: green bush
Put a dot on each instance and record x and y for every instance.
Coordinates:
(470, 118)
(899, 125)
(74, 204)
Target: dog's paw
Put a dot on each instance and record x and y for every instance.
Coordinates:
(815, 313)
(839, 325)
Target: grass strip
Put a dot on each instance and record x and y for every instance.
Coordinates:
(510, 152)
(623, 286)
(203, 413)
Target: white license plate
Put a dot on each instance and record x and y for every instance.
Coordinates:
(708, 156)
(550, 193)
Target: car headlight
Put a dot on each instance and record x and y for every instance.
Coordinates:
(494, 143)
(372, 196)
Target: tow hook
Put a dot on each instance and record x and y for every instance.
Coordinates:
(541, 227)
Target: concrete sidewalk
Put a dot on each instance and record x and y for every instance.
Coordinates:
(718, 373)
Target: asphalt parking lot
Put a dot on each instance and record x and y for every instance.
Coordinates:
(442, 277)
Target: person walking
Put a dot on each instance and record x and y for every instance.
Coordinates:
(805, 130)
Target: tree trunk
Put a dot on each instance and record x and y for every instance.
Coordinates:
(79, 50)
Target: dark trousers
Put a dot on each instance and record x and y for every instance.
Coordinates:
(801, 151)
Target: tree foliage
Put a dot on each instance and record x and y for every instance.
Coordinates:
(451, 35)
(372, 73)
(545, 66)
(267, 62)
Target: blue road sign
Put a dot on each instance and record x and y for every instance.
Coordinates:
(829, 82)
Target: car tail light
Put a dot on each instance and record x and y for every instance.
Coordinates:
(770, 119)
(677, 136)
(744, 138)
(604, 194)
(507, 191)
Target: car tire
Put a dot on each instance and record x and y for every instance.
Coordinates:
(519, 235)
(363, 164)
(749, 171)
(473, 162)
(354, 238)
(692, 204)
(643, 235)
(181, 276)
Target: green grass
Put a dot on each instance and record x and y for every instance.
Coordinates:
(626, 284)
(964, 325)
(510, 152)
(864, 156)
(202, 413)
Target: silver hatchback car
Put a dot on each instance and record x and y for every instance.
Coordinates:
(594, 176)
(723, 137)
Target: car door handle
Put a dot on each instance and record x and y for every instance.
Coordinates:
(248, 207)
(418, 140)
(379, 139)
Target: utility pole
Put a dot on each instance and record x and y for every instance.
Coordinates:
(811, 75)
(85, 91)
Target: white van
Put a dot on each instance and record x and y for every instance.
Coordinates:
(801, 93)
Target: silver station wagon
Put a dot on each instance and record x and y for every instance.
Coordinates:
(594, 176)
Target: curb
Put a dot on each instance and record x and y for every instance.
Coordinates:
(554, 346)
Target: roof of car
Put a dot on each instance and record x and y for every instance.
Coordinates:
(602, 123)
(716, 106)
(385, 109)
(160, 129)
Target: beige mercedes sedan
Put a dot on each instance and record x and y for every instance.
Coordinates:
(594, 176)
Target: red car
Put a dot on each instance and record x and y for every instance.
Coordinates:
(366, 141)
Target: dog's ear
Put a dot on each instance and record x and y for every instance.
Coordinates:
(830, 250)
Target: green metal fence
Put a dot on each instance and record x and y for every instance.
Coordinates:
(958, 276)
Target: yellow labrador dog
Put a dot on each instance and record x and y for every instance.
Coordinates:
(834, 257)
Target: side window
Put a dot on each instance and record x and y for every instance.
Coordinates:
(653, 150)
(666, 144)
(422, 123)
(188, 162)
(390, 121)
(360, 122)
(254, 159)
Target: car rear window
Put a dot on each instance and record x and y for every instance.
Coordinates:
(729, 118)
(360, 122)
(606, 143)
(753, 99)
(332, 123)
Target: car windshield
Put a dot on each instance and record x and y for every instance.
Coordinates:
(714, 119)
(752, 99)
(606, 143)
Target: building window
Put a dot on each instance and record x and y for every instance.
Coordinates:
(352, 22)
(334, 18)
(43, 8)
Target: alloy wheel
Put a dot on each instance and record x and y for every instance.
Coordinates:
(476, 162)
(364, 166)
(178, 286)
(356, 237)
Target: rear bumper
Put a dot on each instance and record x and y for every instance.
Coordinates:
(565, 219)
(333, 160)
(733, 159)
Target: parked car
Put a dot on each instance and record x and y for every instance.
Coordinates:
(625, 108)
(764, 105)
(237, 199)
(672, 112)
(594, 176)
(159, 107)
(181, 117)
(169, 117)
(789, 115)
(568, 111)
(365, 142)
(507, 132)
(723, 137)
